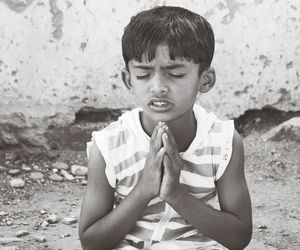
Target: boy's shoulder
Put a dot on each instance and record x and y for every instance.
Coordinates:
(125, 121)
(209, 122)
(118, 132)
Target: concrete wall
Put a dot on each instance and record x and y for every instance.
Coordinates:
(57, 57)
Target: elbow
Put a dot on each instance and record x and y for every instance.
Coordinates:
(246, 235)
(244, 242)
(86, 242)
(242, 239)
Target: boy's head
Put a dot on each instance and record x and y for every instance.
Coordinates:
(188, 35)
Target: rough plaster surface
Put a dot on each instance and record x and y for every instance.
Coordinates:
(59, 56)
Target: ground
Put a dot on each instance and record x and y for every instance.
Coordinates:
(272, 172)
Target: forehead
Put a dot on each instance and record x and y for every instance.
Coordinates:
(162, 58)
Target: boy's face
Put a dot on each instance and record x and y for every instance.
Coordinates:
(166, 89)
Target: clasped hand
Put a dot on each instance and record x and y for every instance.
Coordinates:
(163, 165)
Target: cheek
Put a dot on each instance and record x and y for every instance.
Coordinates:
(138, 89)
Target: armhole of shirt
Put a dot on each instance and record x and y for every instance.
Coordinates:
(226, 148)
(99, 139)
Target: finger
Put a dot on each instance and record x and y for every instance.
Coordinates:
(154, 135)
(167, 164)
(166, 143)
(170, 136)
(158, 141)
(170, 149)
(160, 156)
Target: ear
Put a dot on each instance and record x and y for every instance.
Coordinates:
(208, 79)
(126, 78)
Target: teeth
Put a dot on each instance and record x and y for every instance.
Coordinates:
(160, 104)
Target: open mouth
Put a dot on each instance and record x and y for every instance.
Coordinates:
(160, 105)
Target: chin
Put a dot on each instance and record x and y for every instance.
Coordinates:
(162, 117)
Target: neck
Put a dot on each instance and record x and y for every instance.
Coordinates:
(183, 129)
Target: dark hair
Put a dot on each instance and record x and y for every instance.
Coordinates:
(187, 34)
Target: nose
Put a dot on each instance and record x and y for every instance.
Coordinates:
(158, 85)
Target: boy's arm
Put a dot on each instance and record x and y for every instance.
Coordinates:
(232, 226)
(101, 226)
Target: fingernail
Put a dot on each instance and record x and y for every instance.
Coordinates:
(165, 135)
(161, 124)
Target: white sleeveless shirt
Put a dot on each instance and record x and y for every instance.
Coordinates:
(124, 146)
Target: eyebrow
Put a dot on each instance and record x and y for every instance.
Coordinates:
(172, 66)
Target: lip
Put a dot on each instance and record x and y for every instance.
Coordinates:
(159, 104)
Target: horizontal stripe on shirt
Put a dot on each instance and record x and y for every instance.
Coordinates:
(155, 208)
(193, 179)
(141, 233)
(129, 181)
(117, 140)
(131, 160)
(208, 150)
(198, 190)
(170, 234)
(204, 169)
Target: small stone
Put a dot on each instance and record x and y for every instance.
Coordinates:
(67, 176)
(60, 165)
(44, 224)
(54, 170)
(257, 120)
(3, 213)
(9, 223)
(3, 169)
(43, 211)
(262, 228)
(79, 170)
(83, 182)
(36, 168)
(9, 240)
(52, 218)
(22, 233)
(40, 238)
(17, 183)
(56, 177)
(36, 176)
(80, 177)
(52, 154)
(66, 235)
(69, 220)
(13, 172)
(25, 168)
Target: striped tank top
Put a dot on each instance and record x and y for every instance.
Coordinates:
(124, 146)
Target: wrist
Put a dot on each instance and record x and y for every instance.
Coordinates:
(176, 196)
(143, 192)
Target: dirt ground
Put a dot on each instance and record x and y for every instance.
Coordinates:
(272, 171)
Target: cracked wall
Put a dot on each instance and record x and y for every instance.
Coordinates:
(57, 57)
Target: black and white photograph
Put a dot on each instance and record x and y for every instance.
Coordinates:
(149, 125)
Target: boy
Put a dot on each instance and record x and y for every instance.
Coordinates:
(160, 192)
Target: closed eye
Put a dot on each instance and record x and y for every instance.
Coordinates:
(141, 77)
(178, 76)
